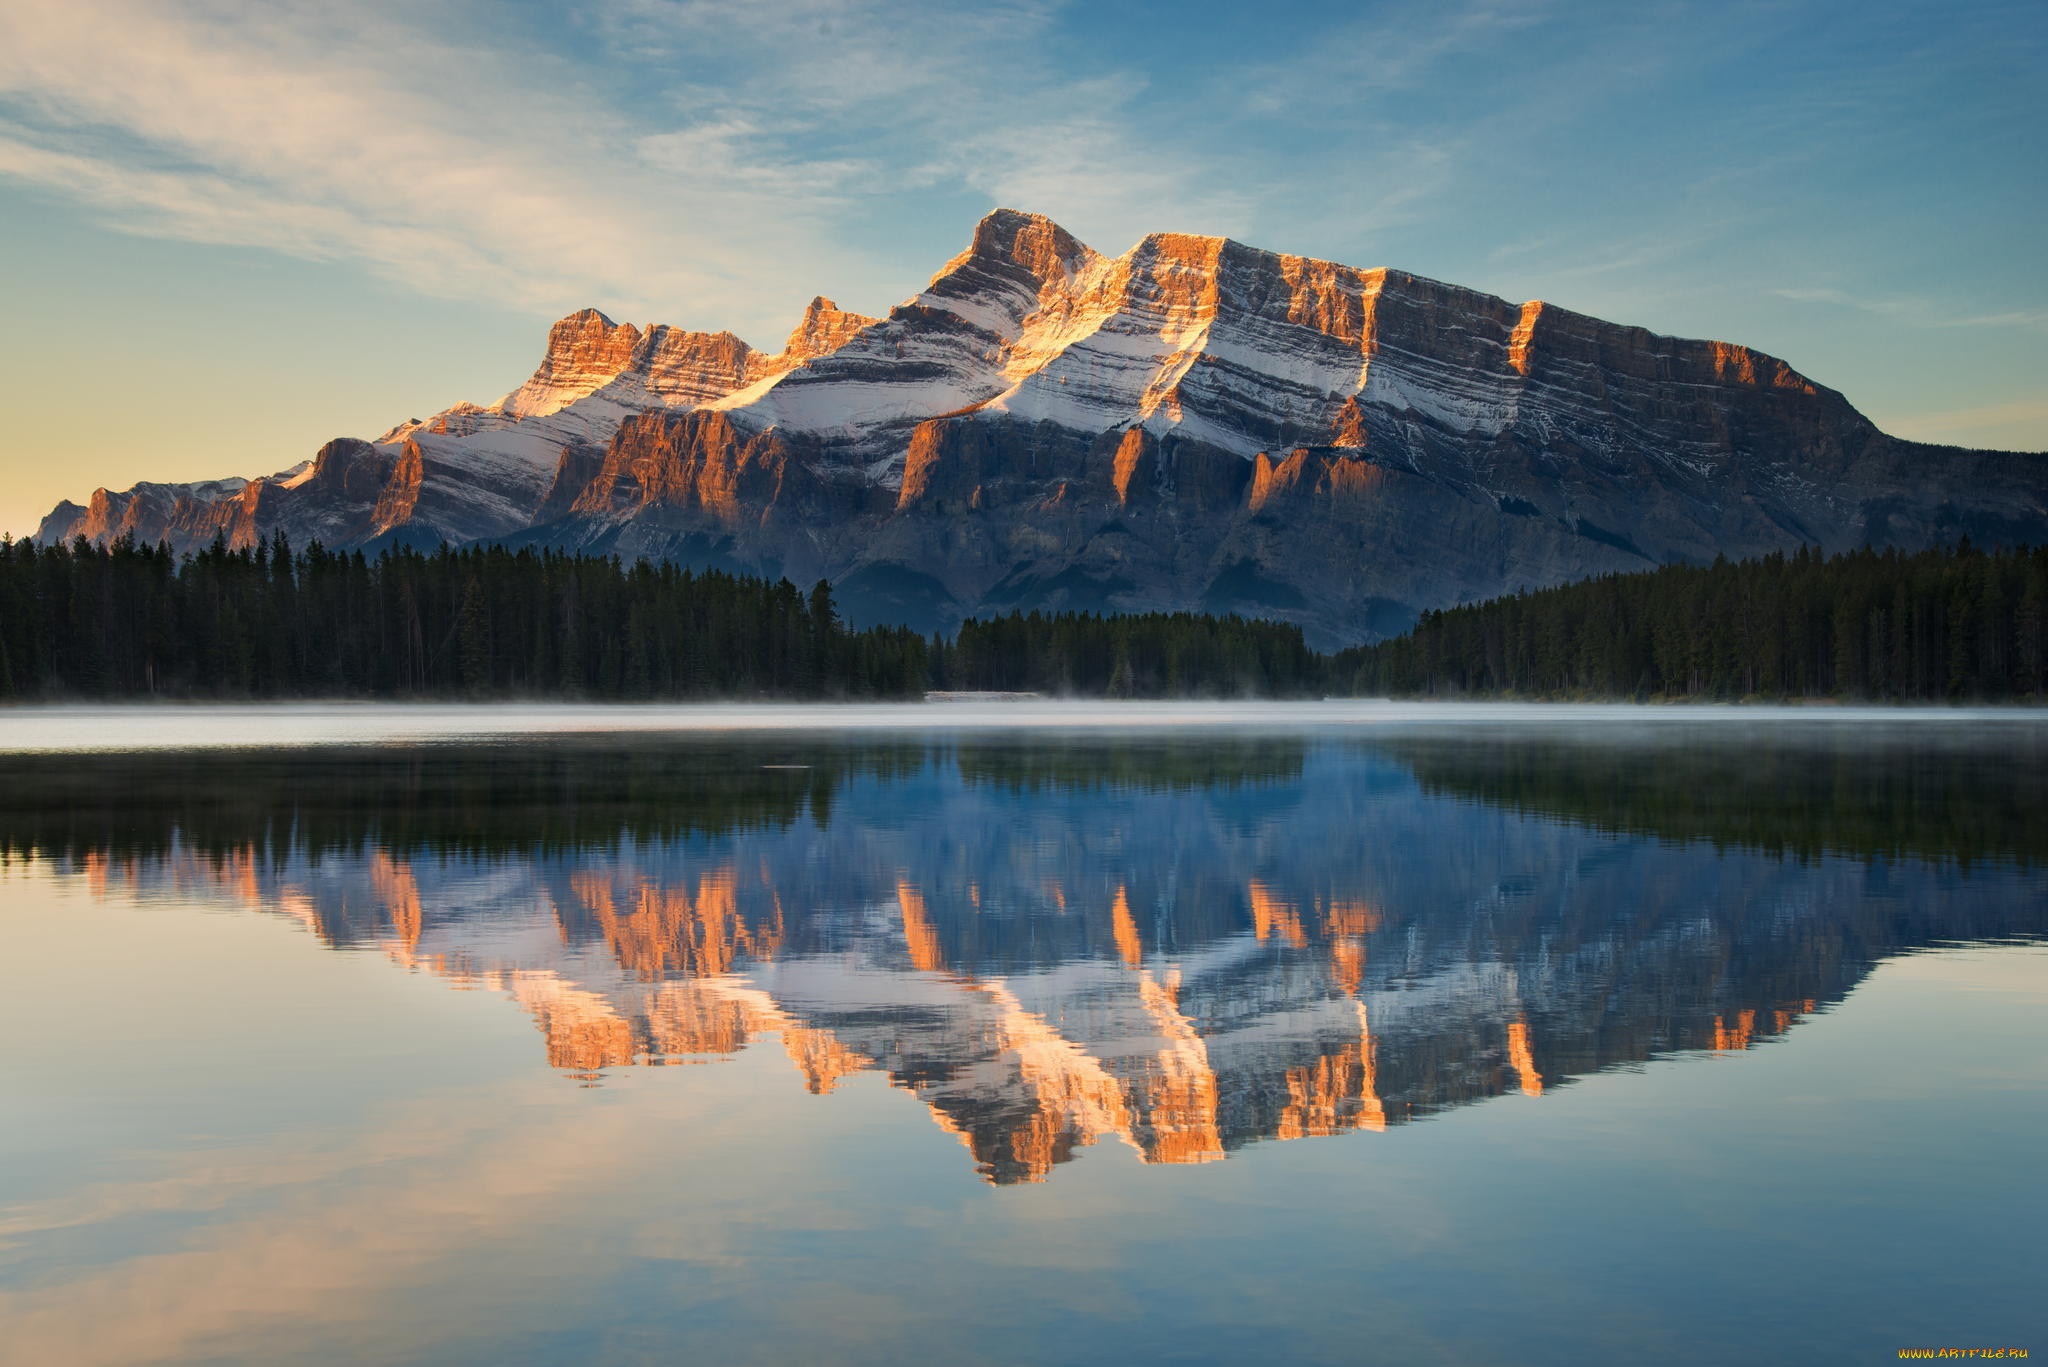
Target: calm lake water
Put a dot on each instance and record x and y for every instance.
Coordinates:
(1021, 1034)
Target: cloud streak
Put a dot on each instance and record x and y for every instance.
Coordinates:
(1923, 310)
(504, 173)
(714, 165)
(270, 129)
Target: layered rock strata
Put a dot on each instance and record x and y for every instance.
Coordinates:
(1193, 424)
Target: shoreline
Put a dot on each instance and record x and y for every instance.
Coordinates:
(45, 728)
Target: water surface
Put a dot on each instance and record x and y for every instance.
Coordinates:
(1317, 1034)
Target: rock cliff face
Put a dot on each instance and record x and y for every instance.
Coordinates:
(1195, 423)
(1182, 953)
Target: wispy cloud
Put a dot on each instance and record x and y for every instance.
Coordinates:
(455, 172)
(2033, 320)
(928, 96)
(1923, 310)
(675, 168)
(713, 164)
(1391, 48)
(508, 172)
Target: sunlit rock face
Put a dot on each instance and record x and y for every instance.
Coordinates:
(1195, 423)
(1174, 950)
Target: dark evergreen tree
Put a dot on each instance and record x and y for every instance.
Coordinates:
(265, 621)
(130, 621)
(1959, 623)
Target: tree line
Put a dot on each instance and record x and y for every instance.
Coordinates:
(1133, 655)
(128, 621)
(1953, 623)
(123, 620)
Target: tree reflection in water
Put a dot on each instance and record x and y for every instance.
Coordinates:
(1184, 944)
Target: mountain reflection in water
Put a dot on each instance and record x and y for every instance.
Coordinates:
(1182, 944)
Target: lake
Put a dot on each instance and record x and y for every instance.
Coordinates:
(1021, 1032)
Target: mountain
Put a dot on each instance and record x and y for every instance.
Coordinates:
(1193, 424)
(1186, 950)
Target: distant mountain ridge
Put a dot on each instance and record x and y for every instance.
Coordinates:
(1195, 424)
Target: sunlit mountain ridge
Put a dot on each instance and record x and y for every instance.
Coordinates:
(1194, 424)
(1330, 945)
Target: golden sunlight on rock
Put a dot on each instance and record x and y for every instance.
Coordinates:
(400, 893)
(1128, 945)
(918, 935)
(1180, 1094)
(1523, 1060)
(1272, 916)
(685, 967)
(821, 1058)
(1728, 1038)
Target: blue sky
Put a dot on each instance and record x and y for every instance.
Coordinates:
(233, 230)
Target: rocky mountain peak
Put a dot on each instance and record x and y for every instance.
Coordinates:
(825, 327)
(588, 354)
(1032, 241)
(585, 352)
(1194, 423)
(1015, 249)
(1191, 248)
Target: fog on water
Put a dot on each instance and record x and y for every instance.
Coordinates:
(63, 728)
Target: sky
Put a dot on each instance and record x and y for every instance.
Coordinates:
(234, 229)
